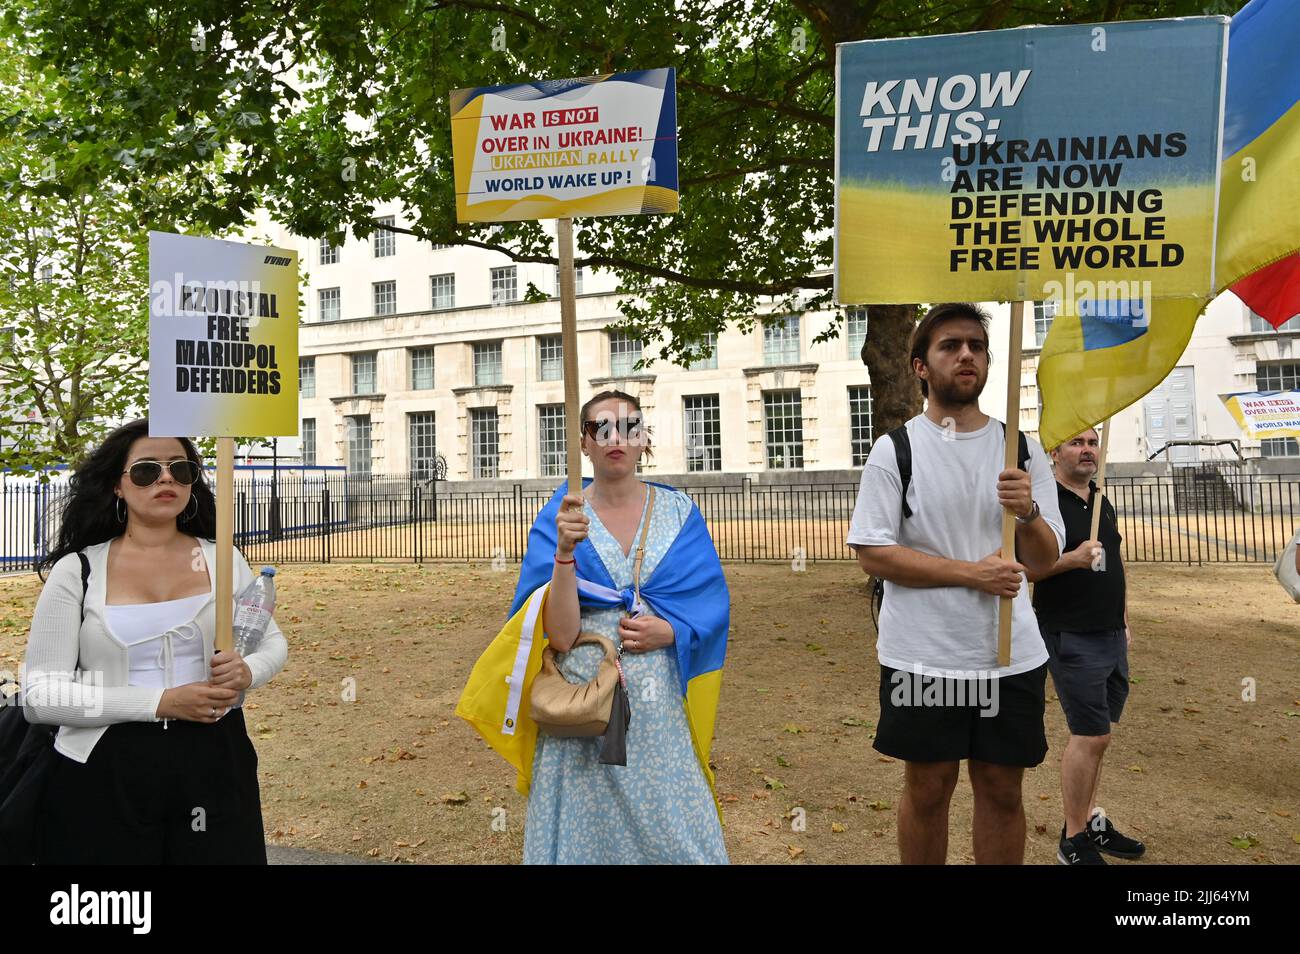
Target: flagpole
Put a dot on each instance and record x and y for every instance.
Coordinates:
(1101, 482)
(569, 346)
(1010, 460)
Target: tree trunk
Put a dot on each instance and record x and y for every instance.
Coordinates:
(895, 393)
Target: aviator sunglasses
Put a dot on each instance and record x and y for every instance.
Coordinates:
(145, 472)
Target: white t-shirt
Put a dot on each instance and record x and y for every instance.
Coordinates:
(955, 514)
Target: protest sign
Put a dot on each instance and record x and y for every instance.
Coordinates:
(554, 149)
(995, 166)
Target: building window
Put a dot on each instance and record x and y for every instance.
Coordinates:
(781, 340)
(442, 291)
(329, 254)
(703, 433)
(487, 362)
(384, 241)
(1258, 323)
(331, 307)
(624, 353)
(309, 441)
(551, 437)
(422, 447)
(783, 428)
(577, 281)
(860, 423)
(483, 442)
(855, 331)
(363, 373)
(421, 369)
(385, 295)
(47, 273)
(1279, 447)
(1277, 376)
(710, 343)
(1044, 312)
(358, 444)
(307, 377)
(505, 285)
(550, 358)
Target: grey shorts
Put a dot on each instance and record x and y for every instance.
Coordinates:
(1090, 672)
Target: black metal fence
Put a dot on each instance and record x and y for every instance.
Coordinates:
(1210, 515)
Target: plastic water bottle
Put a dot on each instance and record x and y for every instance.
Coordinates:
(253, 611)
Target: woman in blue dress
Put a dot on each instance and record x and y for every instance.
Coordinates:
(659, 808)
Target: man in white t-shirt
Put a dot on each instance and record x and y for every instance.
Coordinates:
(943, 697)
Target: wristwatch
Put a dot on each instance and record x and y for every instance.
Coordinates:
(1033, 515)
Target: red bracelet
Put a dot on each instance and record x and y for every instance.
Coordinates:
(565, 562)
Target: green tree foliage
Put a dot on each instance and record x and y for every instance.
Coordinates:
(320, 111)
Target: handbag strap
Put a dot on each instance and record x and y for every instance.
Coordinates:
(640, 546)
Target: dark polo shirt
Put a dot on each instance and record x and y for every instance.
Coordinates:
(1080, 601)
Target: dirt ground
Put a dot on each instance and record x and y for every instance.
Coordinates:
(1196, 772)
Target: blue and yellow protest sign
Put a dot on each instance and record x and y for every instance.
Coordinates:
(599, 145)
(1265, 414)
(994, 166)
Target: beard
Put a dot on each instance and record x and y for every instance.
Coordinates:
(951, 392)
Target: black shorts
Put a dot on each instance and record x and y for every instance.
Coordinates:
(930, 719)
(1090, 672)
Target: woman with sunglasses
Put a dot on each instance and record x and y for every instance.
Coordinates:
(669, 623)
(153, 764)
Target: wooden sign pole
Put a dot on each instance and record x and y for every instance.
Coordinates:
(225, 640)
(1101, 483)
(569, 340)
(1010, 461)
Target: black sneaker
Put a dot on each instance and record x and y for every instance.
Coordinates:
(1077, 850)
(1105, 838)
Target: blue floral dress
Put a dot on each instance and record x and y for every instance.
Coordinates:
(658, 808)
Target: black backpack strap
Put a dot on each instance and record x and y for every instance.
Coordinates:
(903, 454)
(1022, 456)
(85, 581)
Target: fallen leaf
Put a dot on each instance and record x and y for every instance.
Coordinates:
(1041, 829)
(837, 828)
(879, 805)
(772, 783)
(852, 720)
(455, 798)
(795, 852)
(793, 729)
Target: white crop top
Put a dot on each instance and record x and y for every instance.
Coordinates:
(164, 644)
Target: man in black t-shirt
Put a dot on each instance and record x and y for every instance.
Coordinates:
(1083, 616)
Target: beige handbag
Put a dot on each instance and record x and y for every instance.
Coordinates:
(564, 708)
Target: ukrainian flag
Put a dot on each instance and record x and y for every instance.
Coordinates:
(1095, 365)
(687, 588)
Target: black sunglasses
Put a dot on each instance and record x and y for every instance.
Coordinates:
(628, 427)
(145, 472)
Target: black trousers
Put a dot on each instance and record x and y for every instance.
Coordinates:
(149, 795)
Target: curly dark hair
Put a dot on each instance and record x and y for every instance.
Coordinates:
(90, 514)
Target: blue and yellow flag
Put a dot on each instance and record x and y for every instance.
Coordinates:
(687, 588)
(1097, 363)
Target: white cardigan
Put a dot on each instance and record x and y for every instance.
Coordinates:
(63, 651)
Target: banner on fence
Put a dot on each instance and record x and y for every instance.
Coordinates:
(1264, 414)
(599, 145)
(223, 338)
(994, 166)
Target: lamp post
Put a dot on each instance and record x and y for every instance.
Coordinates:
(274, 527)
